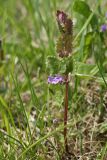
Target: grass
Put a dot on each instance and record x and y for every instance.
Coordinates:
(31, 111)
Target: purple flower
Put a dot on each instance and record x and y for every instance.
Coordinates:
(55, 79)
(104, 27)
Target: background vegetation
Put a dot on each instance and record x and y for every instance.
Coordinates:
(31, 111)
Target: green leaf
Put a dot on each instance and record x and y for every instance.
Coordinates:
(85, 69)
(82, 8)
(88, 45)
(69, 65)
(94, 21)
(62, 66)
(52, 65)
(59, 66)
(88, 38)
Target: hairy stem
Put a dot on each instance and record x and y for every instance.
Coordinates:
(66, 113)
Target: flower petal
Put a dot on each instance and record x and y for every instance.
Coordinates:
(55, 79)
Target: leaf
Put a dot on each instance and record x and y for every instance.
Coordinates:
(59, 66)
(52, 65)
(62, 66)
(58, 99)
(88, 38)
(94, 21)
(88, 45)
(85, 69)
(82, 8)
(69, 65)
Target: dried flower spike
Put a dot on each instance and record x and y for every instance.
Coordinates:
(64, 43)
